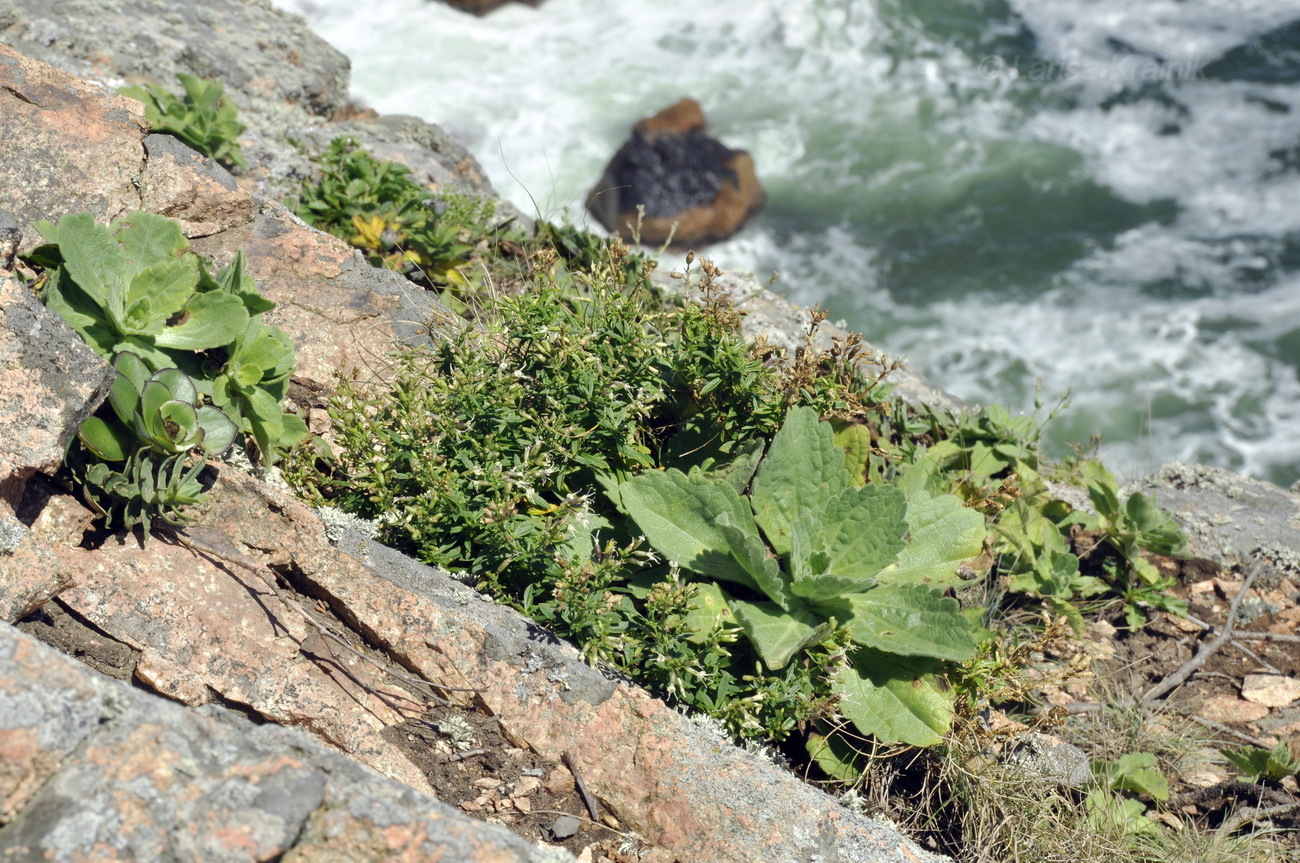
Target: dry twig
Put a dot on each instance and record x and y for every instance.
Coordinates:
(1190, 667)
(587, 799)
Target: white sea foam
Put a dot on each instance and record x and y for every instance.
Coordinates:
(1170, 329)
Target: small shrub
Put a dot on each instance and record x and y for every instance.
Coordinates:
(397, 223)
(204, 119)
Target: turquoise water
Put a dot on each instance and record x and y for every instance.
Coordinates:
(1026, 196)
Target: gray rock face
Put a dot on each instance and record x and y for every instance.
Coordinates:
(94, 768)
(287, 82)
(50, 381)
(272, 63)
(1230, 519)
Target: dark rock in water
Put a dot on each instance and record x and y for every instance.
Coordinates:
(482, 7)
(681, 176)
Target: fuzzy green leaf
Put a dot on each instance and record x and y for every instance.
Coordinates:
(84, 315)
(942, 534)
(708, 610)
(149, 239)
(779, 633)
(92, 258)
(855, 440)
(858, 533)
(748, 550)
(894, 700)
(803, 472)
(213, 320)
(293, 429)
(679, 515)
(906, 619)
(156, 293)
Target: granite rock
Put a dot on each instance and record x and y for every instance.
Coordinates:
(94, 769)
(289, 85)
(50, 381)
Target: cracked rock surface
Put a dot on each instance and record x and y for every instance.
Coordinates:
(96, 770)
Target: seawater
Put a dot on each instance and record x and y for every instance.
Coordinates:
(1021, 197)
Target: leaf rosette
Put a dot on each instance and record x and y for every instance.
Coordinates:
(810, 550)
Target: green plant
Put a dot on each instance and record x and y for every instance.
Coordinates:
(399, 224)
(485, 455)
(142, 489)
(1130, 528)
(1271, 764)
(132, 287)
(135, 287)
(1133, 772)
(204, 119)
(194, 364)
(864, 557)
(161, 411)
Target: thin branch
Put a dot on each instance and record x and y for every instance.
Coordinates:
(1249, 814)
(1266, 636)
(1190, 667)
(1223, 729)
(587, 799)
(1264, 664)
(469, 753)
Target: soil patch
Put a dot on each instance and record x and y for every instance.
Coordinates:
(475, 767)
(1242, 694)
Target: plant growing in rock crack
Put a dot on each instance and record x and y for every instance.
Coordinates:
(397, 223)
(203, 118)
(811, 549)
(195, 365)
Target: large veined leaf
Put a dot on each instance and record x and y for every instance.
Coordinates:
(895, 701)
(148, 238)
(855, 440)
(748, 550)
(708, 610)
(942, 534)
(214, 320)
(94, 260)
(779, 633)
(740, 470)
(857, 534)
(678, 514)
(80, 312)
(803, 472)
(156, 293)
(905, 619)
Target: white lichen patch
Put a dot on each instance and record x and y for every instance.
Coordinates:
(336, 521)
(11, 533)
(458, 732)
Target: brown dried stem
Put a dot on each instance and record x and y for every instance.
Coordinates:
(1207, 650)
